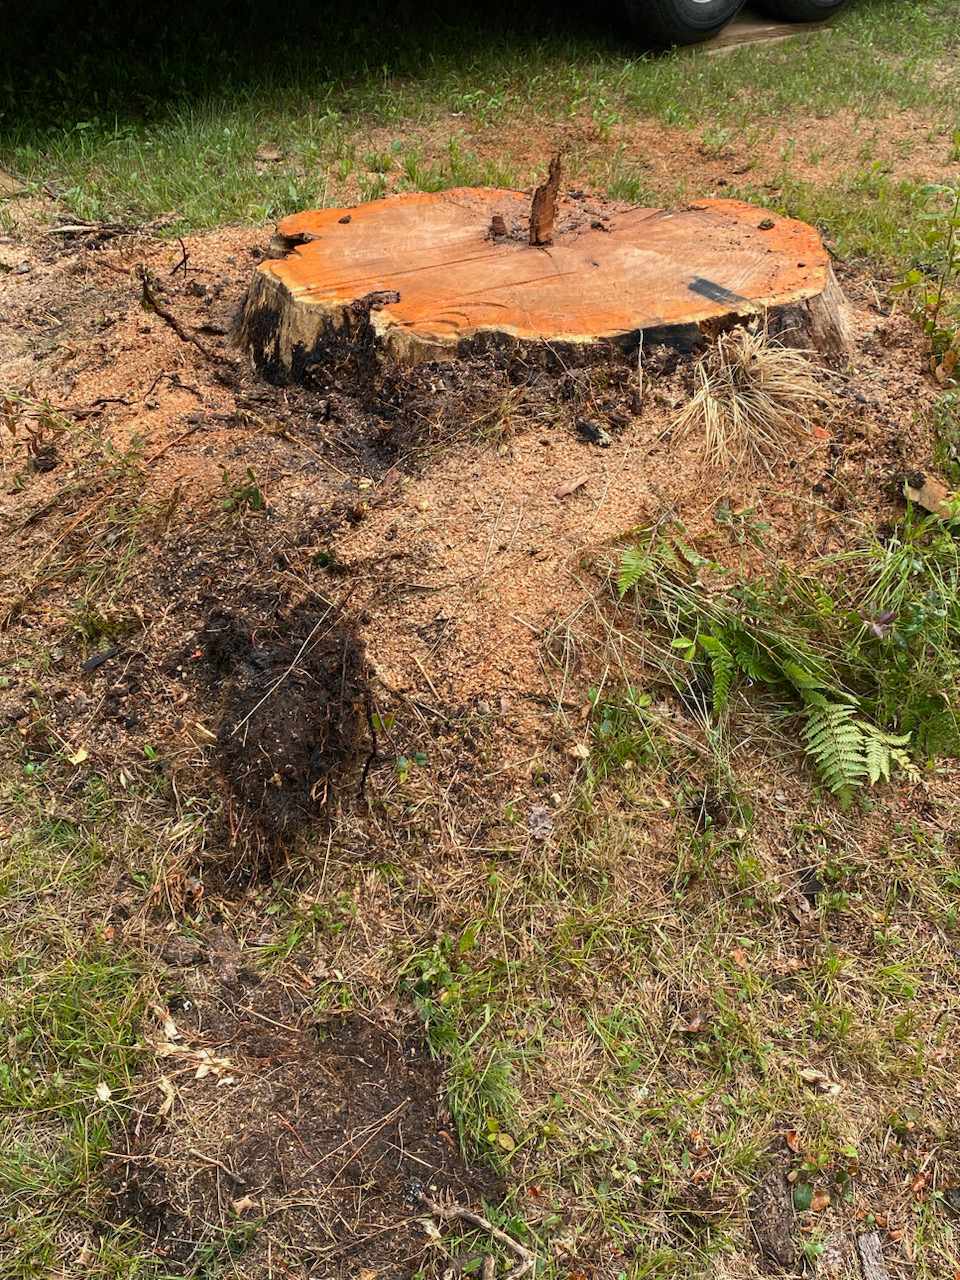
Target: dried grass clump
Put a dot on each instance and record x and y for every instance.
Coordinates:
(754, 400)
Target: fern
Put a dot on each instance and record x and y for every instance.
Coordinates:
(751, 659)
(635, 564)
(834, 740)
(780, 639)
(881, 751)
(724, 668)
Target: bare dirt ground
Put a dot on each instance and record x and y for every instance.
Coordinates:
(285, 593)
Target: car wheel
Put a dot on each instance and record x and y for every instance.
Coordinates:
(801, 10)
(666, 22)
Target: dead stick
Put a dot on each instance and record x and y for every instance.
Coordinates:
(184, 259)
(184, 435)
(167, 316)
(217, 1164)
(447, 1212)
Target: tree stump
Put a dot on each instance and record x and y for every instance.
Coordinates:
(428, 276)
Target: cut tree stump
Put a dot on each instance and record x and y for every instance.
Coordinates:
(426, 277)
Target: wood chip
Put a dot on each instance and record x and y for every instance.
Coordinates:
(571, 486)
(930, 493)
(870, 1249)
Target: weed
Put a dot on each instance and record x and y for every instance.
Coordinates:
(373, 186)
(715, 141)
(243, 494)
(753, 401)
(946, 433)
(480, 1090)
(630, 184)
(380, 162)
(871, 671)
(622, 733)
(932, 287)
(742, 524)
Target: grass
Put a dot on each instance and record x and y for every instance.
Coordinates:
(71, 998)
(627, 1026)
(753, 401)
(626, 1008)
(352, 105)
(634, 1012)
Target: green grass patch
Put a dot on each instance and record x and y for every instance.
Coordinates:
(172, 120)
(71, 1000)
(860, 650)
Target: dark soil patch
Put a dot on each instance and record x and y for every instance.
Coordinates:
(382, 417)
(315, 1140)
(294, 702)
(773, 1221)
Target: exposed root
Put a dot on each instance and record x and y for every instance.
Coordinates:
(448, 1210)
(151, 303)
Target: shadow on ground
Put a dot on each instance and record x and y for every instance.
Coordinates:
(69, 64)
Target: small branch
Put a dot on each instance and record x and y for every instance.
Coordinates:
(183, 333)
(184, 259)
(448, 1212)
(217, 1164)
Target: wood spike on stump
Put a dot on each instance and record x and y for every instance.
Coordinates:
(543, 213)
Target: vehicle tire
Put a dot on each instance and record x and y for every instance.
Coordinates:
(801, 10)
(666, 22)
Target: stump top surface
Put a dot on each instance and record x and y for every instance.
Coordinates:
(643, 269)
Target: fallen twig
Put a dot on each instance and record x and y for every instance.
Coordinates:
(450, 1211)
(104, 229)
(184, 435)
(217, 1164)
(184, 259)
(88, 410)
(167, 316)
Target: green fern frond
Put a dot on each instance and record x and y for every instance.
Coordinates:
(834, 740)
(724, 668)
(800, 677)
(882, 751)
(751, 659)
(635, 564)
(689, 554)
